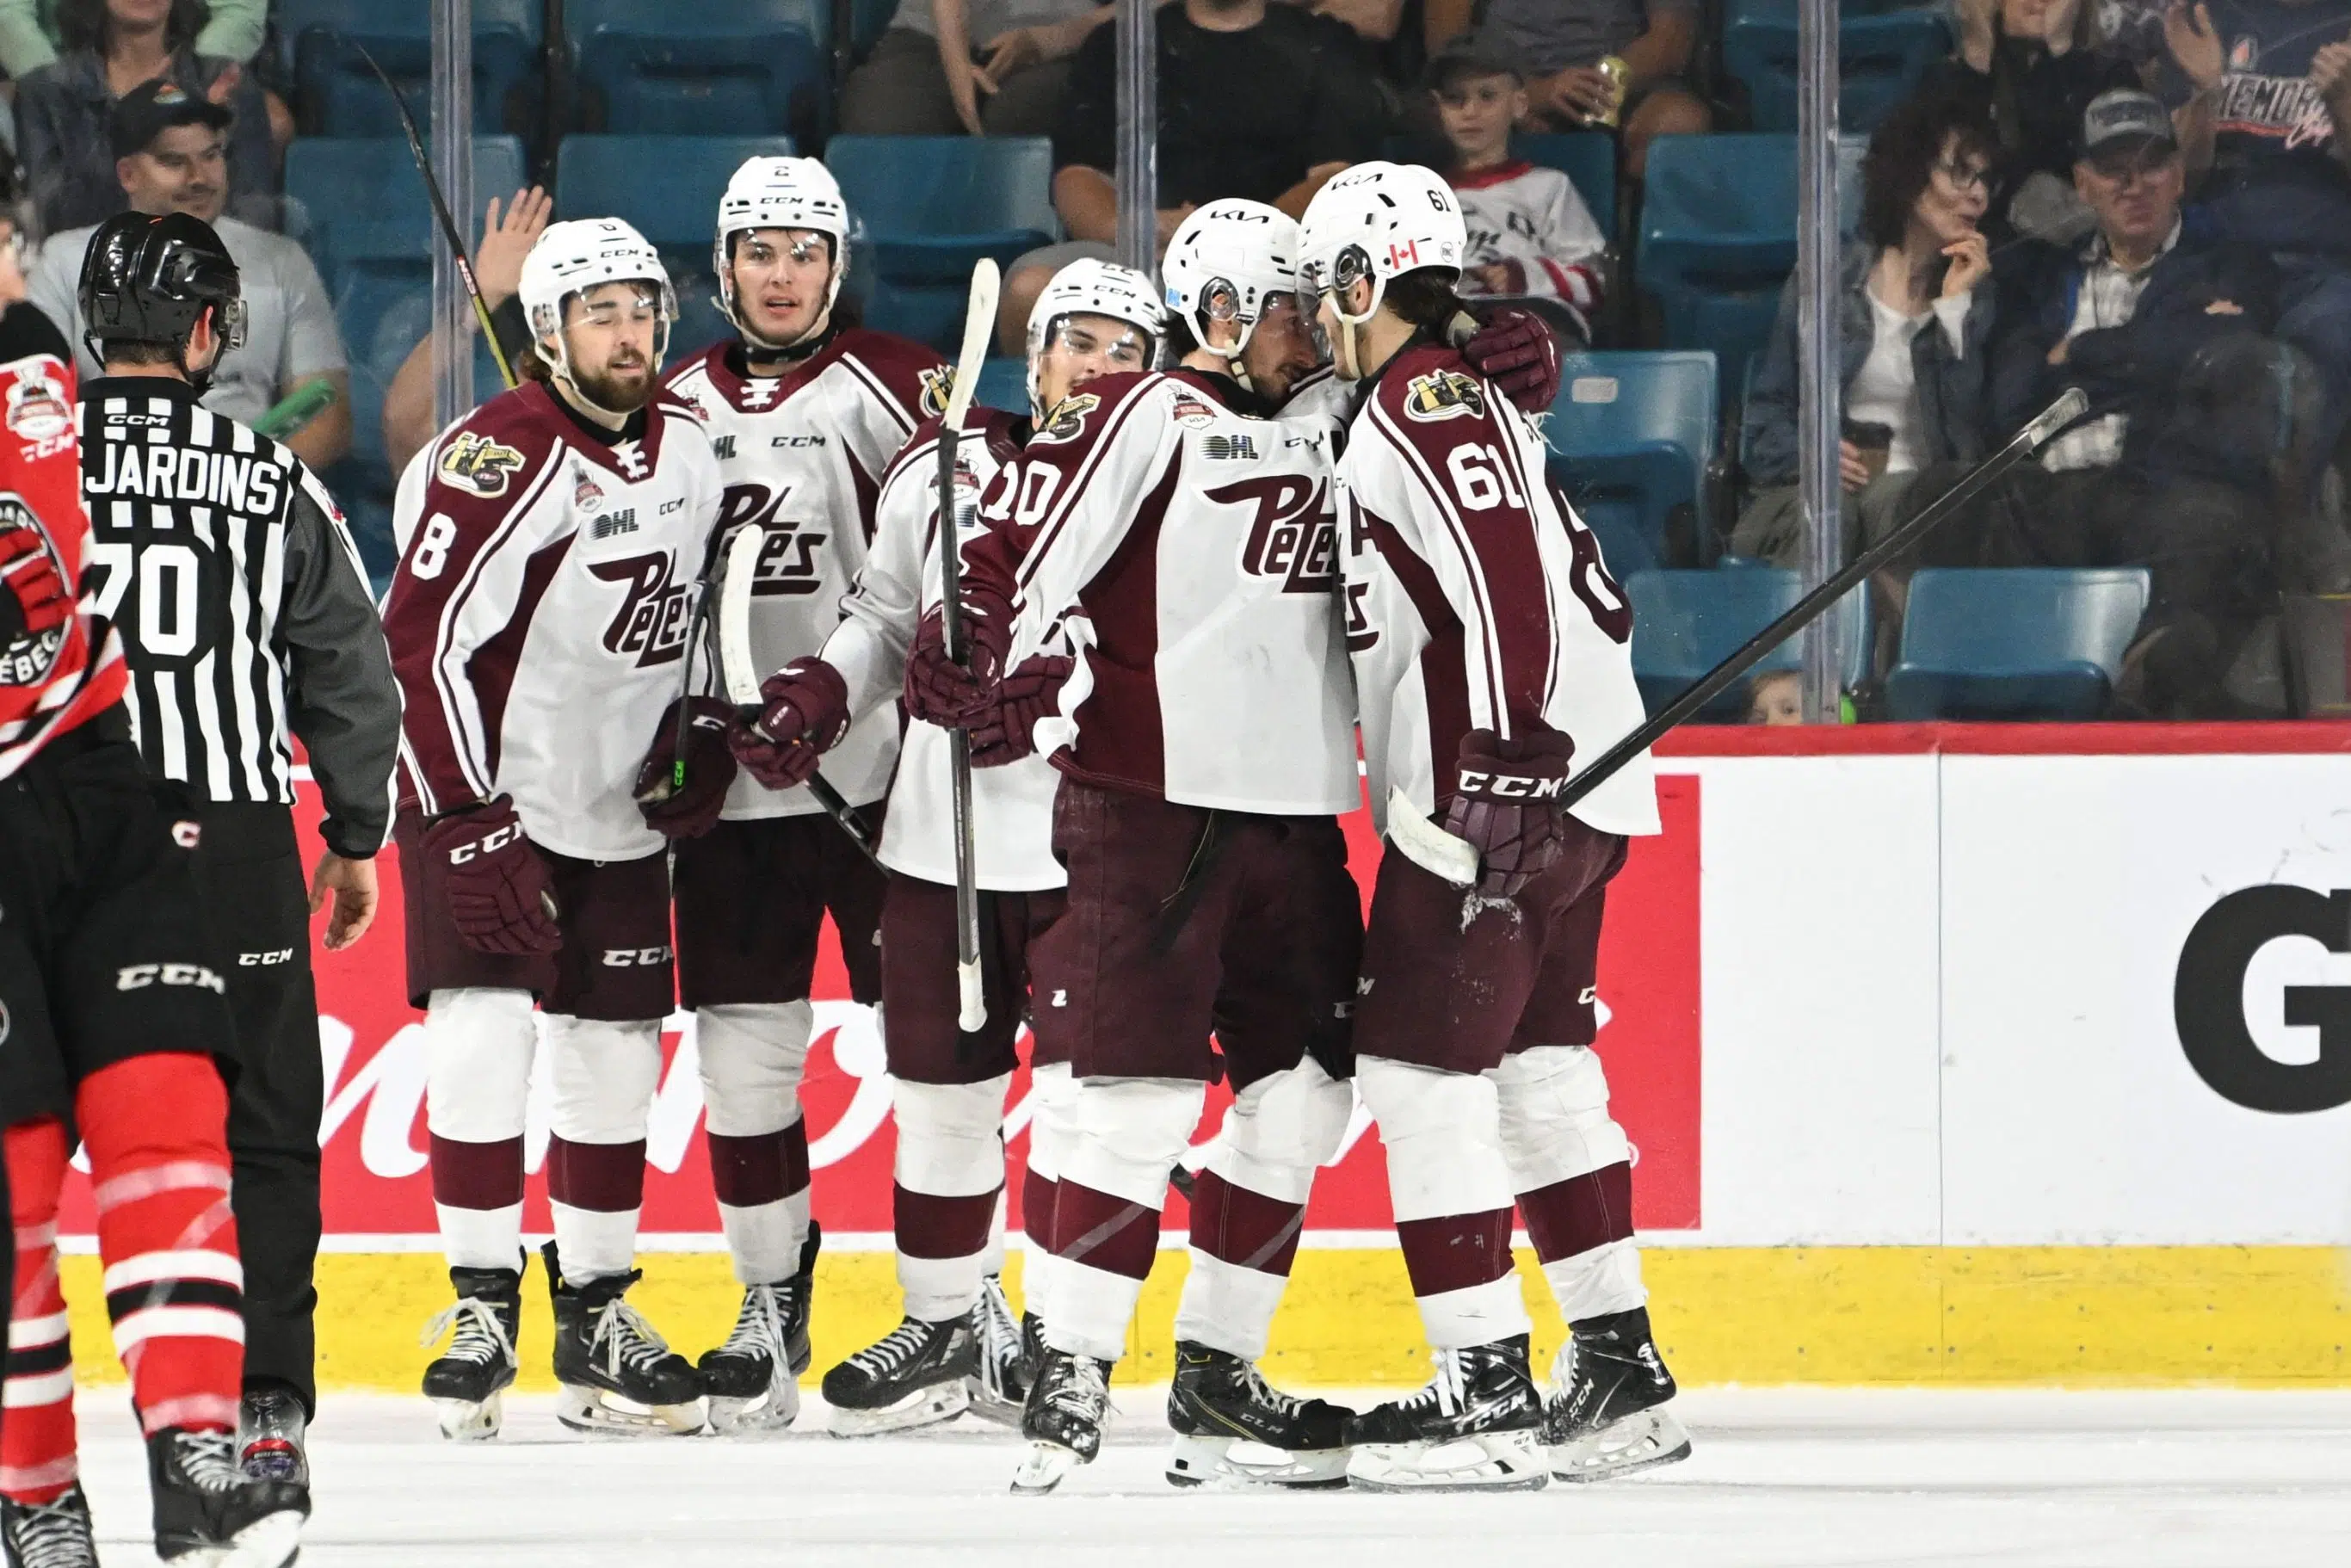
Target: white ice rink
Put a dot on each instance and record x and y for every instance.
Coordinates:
(1781, 1478)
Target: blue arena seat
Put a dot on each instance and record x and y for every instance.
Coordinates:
(338, 96)
(668, 186)
(1004, 383)
(1588, 158)
(349, 199)
(2034, 643)
(1685, 622)
(1880, 59)
(1718, 240)
(1634, 434)
(742, 68)
(933, 205)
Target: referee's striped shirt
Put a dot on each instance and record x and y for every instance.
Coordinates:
(243, 611)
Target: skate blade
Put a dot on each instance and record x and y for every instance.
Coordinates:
(924, 1407)
(1489, 1461)
(1044, 1466)
(272, 1541)
(990, 1405)
(1239, 1464)
(1641, 1441)
(466, 1421)
(601, 1414)
(773, 1411)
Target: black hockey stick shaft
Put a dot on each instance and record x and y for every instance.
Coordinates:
(441, 211)
(2044, 426)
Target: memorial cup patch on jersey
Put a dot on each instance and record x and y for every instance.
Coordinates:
(37, 409)
(1192, 414)
(475, 463)
(1444, 394)
(1069, 417)
(938, 382)
(27, 654)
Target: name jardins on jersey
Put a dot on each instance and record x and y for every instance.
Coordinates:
(239, 482)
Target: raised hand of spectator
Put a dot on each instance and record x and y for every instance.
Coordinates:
(2330, 71)
(1979, 32)
(1970, 260)
(2194, 43)
(506, 238)
(226, 84)
(1579, 92)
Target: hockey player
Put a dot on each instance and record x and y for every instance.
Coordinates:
(1490, 648)
(538, 621)
(806, 412)
(1186, 551)
(115, 1013)
(247, 621)
(948, 1089)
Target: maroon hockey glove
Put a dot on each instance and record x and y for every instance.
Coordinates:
(684, 802)
(1516, 351)
(1029, 694)
(38, 599)
(804, 714)
(499, 892)
(1506, 806)
(940, 692)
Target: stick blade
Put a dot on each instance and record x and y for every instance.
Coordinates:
(737, 575)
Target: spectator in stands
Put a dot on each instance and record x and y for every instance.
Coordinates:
(1530, 236)
(991, 67)
(110, 49)
(233, 30)
(1561, 43)
(172, 157)
(408, 421)
(2032, 66)
(1260, 101)
(1917, 314)
(1777, 697)
(2262, 96)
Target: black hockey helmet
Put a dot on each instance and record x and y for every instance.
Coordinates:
(147, 279)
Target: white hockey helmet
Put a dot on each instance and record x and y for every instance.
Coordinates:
(1090, 288)
(1228, 261)
(1377, 220)
(582, 253)
(779, 194)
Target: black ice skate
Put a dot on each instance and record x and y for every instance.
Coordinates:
(1603, 1413)
(617, 1374)
(271, 1428)
(1062, 1420)
(466, 1385)
(210, 1512)
(754, 1378)
(1000, 1387)
(1234, 1428)
(48, 1535)
(918, 1375)
(1475, 1428)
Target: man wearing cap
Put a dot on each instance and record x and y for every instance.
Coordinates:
(170, 155)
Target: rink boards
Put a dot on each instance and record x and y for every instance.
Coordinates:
(1951, 1052)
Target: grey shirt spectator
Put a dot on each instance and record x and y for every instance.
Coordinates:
(28, 33)
(992, 67)
(64, 115)
(1544, 35)
(290, 333)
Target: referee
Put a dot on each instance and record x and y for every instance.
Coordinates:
(244, 614)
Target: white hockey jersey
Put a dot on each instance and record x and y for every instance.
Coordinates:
(1189, 554)
(1012, 806)
(1529, 221)
(1477, 599)
(803, 454)
(540, 610)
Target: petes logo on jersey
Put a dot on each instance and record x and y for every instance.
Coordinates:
(1069, 417)
(1293, 536)
(1444, 394)
(652, 620)
(27, 656)
(938, 381)
(475, 463)
(788, 562)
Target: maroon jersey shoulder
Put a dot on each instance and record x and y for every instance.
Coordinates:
(1088, 416)
(492, 455)
(912, 374)
(1431, 394)
(701, 358)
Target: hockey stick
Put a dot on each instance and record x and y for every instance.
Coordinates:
(2044, 427)
(979, 323)
(441, 211)
(739, 675)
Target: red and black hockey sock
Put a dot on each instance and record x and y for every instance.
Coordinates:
(1105, 1246)
(36, 1441)
(1580, 1214)
(761, 1181)
(1243, 1243)
(943, 1245)
(595, 1191)
(155, 1126)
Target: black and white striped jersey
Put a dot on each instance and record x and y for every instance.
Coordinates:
(244, 613)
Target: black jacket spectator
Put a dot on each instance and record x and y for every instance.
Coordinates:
(2035, 100)
(64, 115)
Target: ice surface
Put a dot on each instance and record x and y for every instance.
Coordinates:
(1781, 1479)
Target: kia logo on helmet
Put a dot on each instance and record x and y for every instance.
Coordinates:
(2208, 1000)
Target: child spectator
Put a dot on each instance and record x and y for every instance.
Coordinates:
(1530, 235)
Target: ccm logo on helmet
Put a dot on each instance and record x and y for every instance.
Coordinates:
(635, 957)
(488, 844)
(1509, 786)
(139, 976)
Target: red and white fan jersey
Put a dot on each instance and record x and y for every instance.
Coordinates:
(540, 610)
(802, 455)
(1012, 806)
(1477, 599)
(1189, 554)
